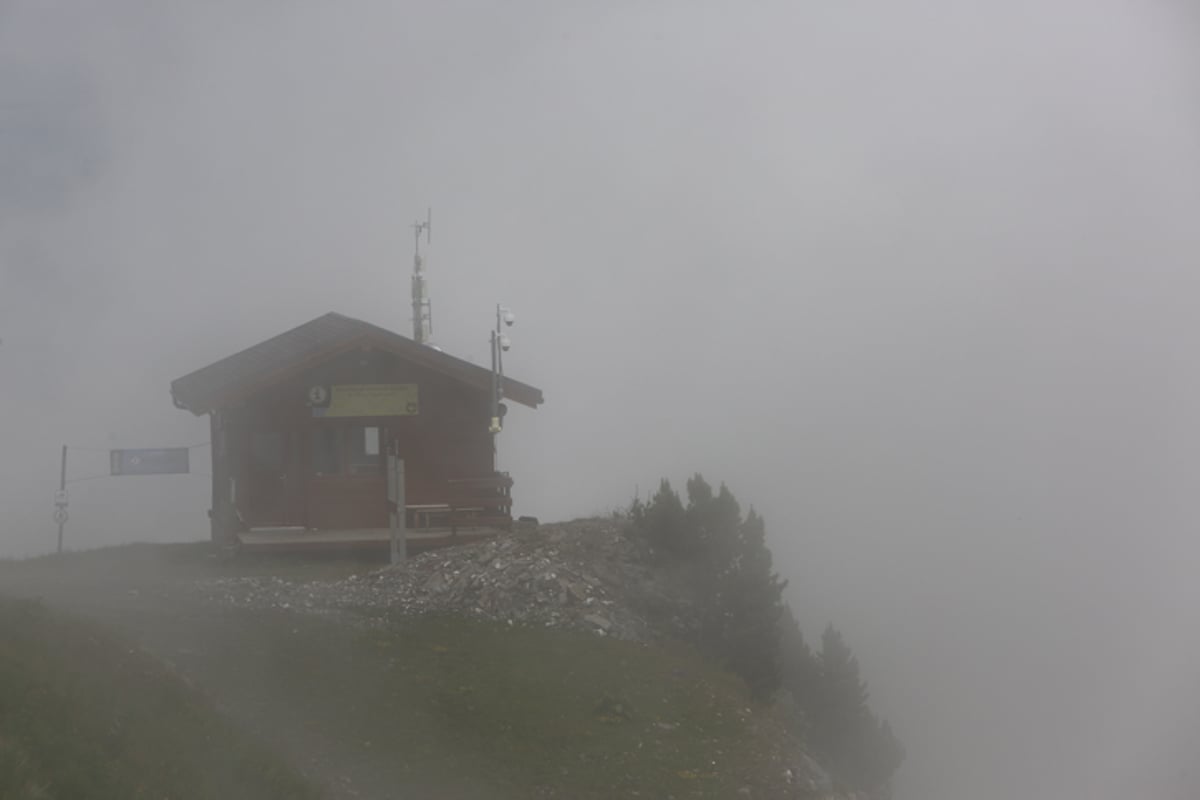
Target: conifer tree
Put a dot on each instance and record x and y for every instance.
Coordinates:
(861, 750)
(745, 626)
(664, 521)
(739, 595)
(798, 672)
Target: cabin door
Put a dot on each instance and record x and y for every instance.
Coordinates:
(347, 488)
(272, 496)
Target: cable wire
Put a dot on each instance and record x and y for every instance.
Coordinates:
(110, 449)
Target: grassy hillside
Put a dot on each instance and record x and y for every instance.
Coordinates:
(437, 707)
(529, 712)
(84, 715)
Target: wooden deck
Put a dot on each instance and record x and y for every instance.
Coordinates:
(359, 539)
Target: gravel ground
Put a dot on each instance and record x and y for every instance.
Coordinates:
(583, 574)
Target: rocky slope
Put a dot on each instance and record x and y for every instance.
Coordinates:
(583, 574)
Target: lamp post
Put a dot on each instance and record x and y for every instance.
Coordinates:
(500, 345)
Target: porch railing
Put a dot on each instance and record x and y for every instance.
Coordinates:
(481, 502)
(484, 502)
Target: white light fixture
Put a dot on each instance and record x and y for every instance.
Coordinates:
(500, 344)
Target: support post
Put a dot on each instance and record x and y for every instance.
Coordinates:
(62, 487)
(397, 504)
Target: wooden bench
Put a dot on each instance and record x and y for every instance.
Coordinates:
(426, 515)
(481, 502)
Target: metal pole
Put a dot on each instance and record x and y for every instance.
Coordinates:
(496, 364)
(418, 323)
(399, 511)
(422, 311)
(62, 487)
(499, 366)
(495, 400)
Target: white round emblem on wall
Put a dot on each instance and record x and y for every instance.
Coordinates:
(318, 395)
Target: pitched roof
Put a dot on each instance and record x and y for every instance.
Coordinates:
(279, 357)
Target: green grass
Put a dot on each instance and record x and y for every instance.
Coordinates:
(529, 712)
(82, 715)
(445, 707)
(196, 560)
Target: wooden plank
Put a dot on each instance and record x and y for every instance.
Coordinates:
(377, 540)
(347, 502)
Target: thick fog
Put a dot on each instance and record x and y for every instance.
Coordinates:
(919, 281)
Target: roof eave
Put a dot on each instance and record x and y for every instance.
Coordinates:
(199, 404)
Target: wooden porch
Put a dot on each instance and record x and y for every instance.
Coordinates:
(478, 509)
(280, 540)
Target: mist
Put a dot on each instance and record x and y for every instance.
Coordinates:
(918, 282)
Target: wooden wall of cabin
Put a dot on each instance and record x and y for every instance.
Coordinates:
(278, 451)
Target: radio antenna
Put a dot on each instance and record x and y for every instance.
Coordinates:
(421, 307)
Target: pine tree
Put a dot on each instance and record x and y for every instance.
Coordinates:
(739, 597)
(746, 627)
(884, 755)
(664, 522)
(798, 672)
(712, 518)
(862, 751)
(752, 596)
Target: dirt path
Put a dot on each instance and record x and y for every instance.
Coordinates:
(221, 651)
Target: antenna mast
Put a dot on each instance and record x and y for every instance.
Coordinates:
(422, 309)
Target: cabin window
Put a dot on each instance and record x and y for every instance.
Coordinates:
(362, 450)
(325, 451)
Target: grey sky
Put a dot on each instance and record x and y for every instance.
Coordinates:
(918, 281)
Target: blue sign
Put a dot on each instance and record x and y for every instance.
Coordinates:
(162, 461)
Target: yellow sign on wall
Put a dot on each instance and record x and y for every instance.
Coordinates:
(371, 400)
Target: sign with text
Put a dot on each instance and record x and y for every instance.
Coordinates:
(160, 461)
(370, 400)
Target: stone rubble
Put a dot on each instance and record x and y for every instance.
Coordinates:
(584, 575)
